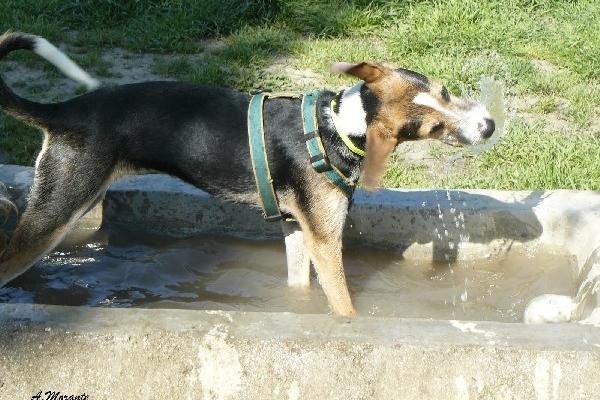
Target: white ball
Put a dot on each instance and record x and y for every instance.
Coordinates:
(549, 308)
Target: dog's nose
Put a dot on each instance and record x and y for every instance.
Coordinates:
(490, 127)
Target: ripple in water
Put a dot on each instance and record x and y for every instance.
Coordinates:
(217, 273)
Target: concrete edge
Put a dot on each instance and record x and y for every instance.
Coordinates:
(284, 326)
(164, 354)
(444, 224)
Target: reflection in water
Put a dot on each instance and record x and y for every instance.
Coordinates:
(125, 270)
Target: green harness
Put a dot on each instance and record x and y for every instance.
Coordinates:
(316, 151)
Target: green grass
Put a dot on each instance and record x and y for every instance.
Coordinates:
(93, 62)
(534, 159)
(20, 142)
(158, 25)
(239, 63)
(526, 159)
(542, 49)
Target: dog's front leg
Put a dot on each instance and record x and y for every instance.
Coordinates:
(322, 223)
(326, 254)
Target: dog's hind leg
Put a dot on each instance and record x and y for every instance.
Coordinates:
(66, 184)
(298, 260)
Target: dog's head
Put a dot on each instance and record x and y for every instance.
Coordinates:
(409, 106)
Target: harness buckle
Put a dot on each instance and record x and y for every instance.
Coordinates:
(320, 163)
(274, 218)
(280, 217)
(310, 136)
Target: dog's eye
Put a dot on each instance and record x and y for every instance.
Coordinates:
(436, 129)
(444, 93)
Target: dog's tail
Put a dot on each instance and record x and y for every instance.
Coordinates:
(30, 111)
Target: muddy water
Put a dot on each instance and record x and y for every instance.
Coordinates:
(132, 270)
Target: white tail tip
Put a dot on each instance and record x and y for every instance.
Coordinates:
(48, 51)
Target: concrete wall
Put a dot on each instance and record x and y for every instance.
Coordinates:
(177, 354)
(136, 353)
(420, 223)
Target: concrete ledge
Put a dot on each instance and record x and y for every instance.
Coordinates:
(139, 353)
(442, 224)
(125, 353)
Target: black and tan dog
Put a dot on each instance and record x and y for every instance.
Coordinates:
(199, 134)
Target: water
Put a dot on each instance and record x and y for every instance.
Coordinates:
(134, 270)
(491, 94)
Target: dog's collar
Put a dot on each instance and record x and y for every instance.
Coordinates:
(314, 144)
(343, 135)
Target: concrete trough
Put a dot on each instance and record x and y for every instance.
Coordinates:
(144, 353)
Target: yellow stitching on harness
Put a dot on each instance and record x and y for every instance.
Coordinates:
(351, 146)
(291, 95)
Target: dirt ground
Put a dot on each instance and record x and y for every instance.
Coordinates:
(41, 82)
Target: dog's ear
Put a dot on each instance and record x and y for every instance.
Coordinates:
(379, 147)
(367, 71)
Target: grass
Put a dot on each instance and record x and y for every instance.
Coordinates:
(537, 161)
(18, 141)
(541, 49)
(158, 25)
(525, 159)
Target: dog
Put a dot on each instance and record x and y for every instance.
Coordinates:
(199, 134)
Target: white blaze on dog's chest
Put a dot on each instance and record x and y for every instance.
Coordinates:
(351, 117)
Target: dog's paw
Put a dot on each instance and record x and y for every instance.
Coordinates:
(346, 313)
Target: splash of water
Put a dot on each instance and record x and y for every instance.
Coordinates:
(491, 95)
